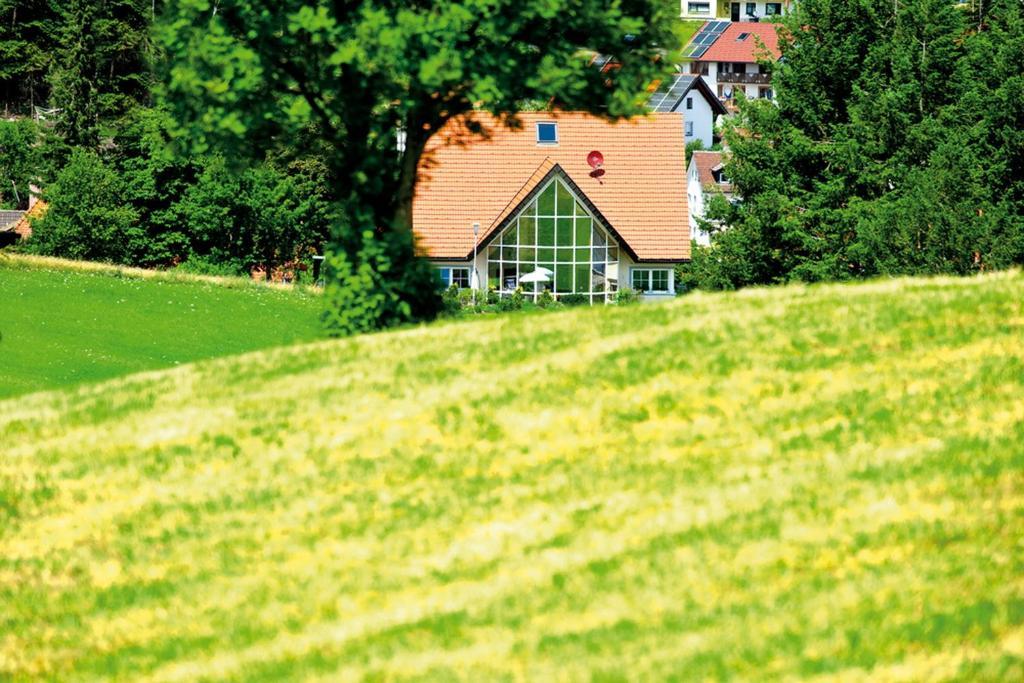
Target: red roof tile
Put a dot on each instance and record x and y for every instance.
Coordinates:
(706, 163)
(465, 178)
(762, 39)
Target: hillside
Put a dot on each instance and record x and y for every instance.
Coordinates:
(64, 323)
(818, 482)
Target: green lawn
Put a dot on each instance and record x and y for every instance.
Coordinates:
(801, 483)
(64, 324)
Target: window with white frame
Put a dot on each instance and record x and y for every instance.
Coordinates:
(698, 8)
(547, 133)
(454, 276)
(559, 243)
(771, 8)
(689, 103)
(650, 280)
(689, 129)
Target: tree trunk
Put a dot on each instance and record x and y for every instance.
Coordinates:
(415, 142)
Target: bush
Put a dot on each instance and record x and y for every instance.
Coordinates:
(626, 296)
(450, 304)
(546, 300)
(205, 265)
(574, 299)
(88, 218)
(513, 302)
(376, 281)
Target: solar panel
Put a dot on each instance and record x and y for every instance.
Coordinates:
(667, 100)
(705, 38)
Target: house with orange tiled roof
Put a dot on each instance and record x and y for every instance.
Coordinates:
(730, 55)
(564, 202)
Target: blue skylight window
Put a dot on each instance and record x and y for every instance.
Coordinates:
(547, 133)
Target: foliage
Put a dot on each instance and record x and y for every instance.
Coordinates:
(546, 299)
(66, 323)
(696, 145)
(786, 484)
(179, 209)
(378, 281)
(451, 302)
(895, 148)
(574, 299)
(208, 265)
(362, 72)
(89, 58)
(87, 218)
(19, 162)
(28, 35)
(626, 295)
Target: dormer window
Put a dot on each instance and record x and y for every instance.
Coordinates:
(742, 37)
(547, 133)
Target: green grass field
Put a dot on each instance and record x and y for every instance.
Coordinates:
(63, 323)
(821, 483)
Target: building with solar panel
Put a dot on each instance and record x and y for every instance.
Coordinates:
(692, 97)
(732, 57)
(733, 11)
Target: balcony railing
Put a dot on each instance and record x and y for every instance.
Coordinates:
(745, 79)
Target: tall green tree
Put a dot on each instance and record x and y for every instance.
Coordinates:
(102, 67)
(362, 71)
(19, 162)
(28, 38)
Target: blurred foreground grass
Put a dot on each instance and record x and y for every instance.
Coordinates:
(820, 482)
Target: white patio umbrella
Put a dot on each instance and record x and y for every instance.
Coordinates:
(539, 275)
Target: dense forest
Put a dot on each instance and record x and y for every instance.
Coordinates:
(895, 144)
(79, 82)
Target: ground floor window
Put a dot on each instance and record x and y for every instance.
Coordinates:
(650, 280)
(454, 276)
(699, 8)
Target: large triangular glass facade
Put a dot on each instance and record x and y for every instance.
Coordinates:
(555, 244)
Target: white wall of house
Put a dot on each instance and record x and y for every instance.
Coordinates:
(627, 266)
(750, 10)
(721, 82)
(722, 9)
(698, 118)
(698, 9)
(695, 200)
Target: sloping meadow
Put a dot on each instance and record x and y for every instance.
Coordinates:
(812, 482)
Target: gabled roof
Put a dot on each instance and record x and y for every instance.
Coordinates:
(9, 219)
(465, 178)
(670, 95)
(729, 48)
(707, 163)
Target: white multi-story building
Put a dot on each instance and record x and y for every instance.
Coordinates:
(733, 11)
(730, 55)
